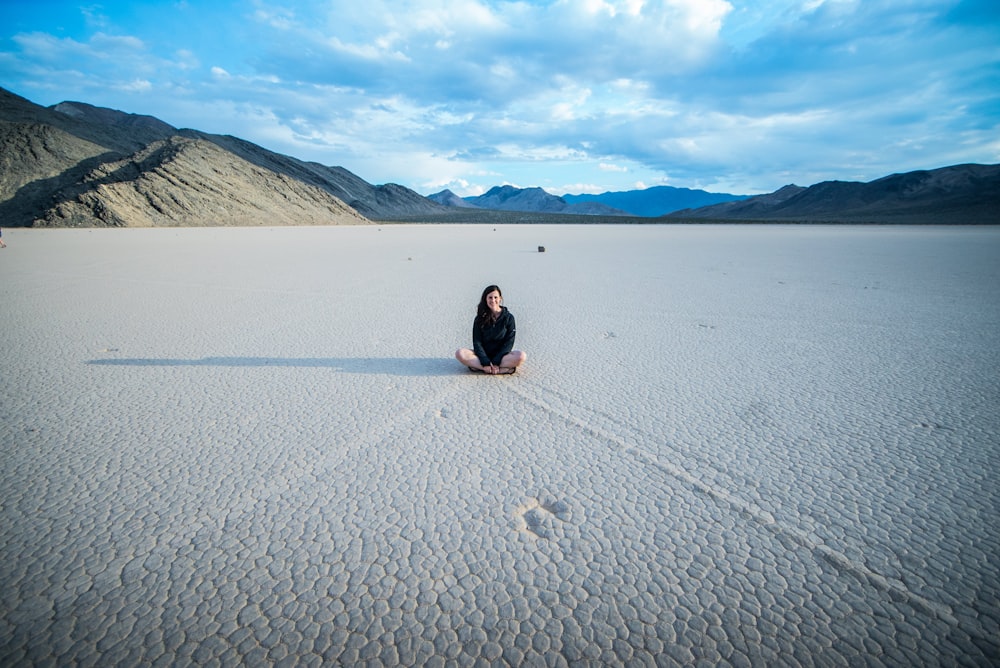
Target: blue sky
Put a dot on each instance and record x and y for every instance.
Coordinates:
(573, 96)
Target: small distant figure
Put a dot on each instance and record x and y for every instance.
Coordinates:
(2, 244)
(493, 333)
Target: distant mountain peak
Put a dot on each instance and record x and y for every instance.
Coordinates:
(448, 198)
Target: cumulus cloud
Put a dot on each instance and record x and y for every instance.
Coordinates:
(185, 59)
(496, 54)
(136, 86)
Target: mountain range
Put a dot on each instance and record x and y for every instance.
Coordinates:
(960, 194)
(655, 201)
(648, 202)
(509, 198)
(74, 164)
(77, 165)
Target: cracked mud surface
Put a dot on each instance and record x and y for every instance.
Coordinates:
(235, 447)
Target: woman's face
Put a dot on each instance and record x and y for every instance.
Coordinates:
(493, 300)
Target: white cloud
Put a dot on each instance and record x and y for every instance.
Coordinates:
(580, 189)
(39, 46)
(185, 59)
(136, 86)
(380, 49)
(107, 45)
(279, 18)
(100, 46)
(452, 16)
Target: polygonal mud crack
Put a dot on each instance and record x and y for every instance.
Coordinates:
(541, 518)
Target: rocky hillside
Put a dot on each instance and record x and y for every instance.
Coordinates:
(78, 165)
(961, 194)
(181, 181)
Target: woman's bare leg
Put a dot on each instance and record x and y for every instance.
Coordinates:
(508, 364)
(512, 360)
(468, 358)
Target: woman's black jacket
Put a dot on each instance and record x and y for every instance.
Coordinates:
(492, 342)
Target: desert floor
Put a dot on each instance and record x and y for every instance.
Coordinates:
(737, 444)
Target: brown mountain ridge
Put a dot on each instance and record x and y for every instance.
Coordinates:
(957, 195)
(76, 165)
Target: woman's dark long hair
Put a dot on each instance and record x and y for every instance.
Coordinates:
(484, 315)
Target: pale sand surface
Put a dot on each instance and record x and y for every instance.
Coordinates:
(747, 445)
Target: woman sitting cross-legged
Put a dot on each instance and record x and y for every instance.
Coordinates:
(493, 333)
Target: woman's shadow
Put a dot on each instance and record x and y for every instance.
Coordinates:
(384, 366)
